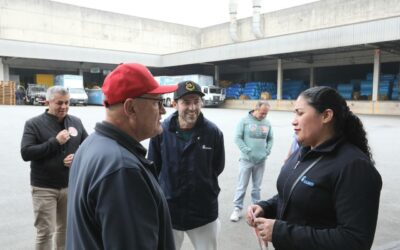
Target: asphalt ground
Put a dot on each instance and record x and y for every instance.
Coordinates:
(16, 215)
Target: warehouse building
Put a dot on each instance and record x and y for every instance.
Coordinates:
(351, 45)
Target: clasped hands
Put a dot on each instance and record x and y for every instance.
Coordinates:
(263, 226)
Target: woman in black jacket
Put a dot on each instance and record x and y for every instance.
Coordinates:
(328, 190)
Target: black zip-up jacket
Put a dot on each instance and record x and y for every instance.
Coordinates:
(189, 171)
(332, 206)
(40, 146)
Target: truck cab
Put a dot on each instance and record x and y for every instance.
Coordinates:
(213, 95)
(77, 96)
(35, 94)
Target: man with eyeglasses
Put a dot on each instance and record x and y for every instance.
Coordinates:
(190, 156)
(254, 138)
(49, 141)
(115, 201)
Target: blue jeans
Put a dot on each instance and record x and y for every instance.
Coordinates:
(247, 169)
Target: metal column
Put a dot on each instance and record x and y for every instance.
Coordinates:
(6, 69)
(216, 75)
(279, 80)
(312, 76)
(376, 76)
(2, 70)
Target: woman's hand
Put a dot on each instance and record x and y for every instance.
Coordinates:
(253, 211)
(264, 227)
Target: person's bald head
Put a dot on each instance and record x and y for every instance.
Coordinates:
(261, 110)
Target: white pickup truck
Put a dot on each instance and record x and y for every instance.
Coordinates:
(213, 96)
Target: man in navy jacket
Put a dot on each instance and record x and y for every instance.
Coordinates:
(190, 156)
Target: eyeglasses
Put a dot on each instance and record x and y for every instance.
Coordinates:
(159, 100)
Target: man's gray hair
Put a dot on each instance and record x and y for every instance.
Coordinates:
(263, 103)
(52, 91)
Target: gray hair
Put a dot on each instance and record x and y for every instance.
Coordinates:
(52, 91)
(262, 103)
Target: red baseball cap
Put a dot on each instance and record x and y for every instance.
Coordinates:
(129, 80)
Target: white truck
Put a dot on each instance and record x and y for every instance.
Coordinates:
(35, 94)
(74, 84)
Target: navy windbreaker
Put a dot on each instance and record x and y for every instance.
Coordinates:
(189, 170)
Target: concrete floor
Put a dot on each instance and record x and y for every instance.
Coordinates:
(16, 216)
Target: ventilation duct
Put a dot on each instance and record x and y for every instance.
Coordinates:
(233, 23)
(256, 27)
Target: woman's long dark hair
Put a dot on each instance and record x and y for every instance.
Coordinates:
(344, 121)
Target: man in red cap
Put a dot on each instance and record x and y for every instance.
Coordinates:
(114, 199)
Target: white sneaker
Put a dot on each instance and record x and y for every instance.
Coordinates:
(236, 214)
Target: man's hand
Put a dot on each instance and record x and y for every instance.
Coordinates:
(63, 136)
(68, 160)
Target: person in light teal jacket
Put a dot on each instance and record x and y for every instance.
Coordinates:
(254, 138)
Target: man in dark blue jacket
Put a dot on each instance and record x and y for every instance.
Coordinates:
(190, 156)
(49, 142)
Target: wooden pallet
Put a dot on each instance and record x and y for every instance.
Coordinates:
(7, 93)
